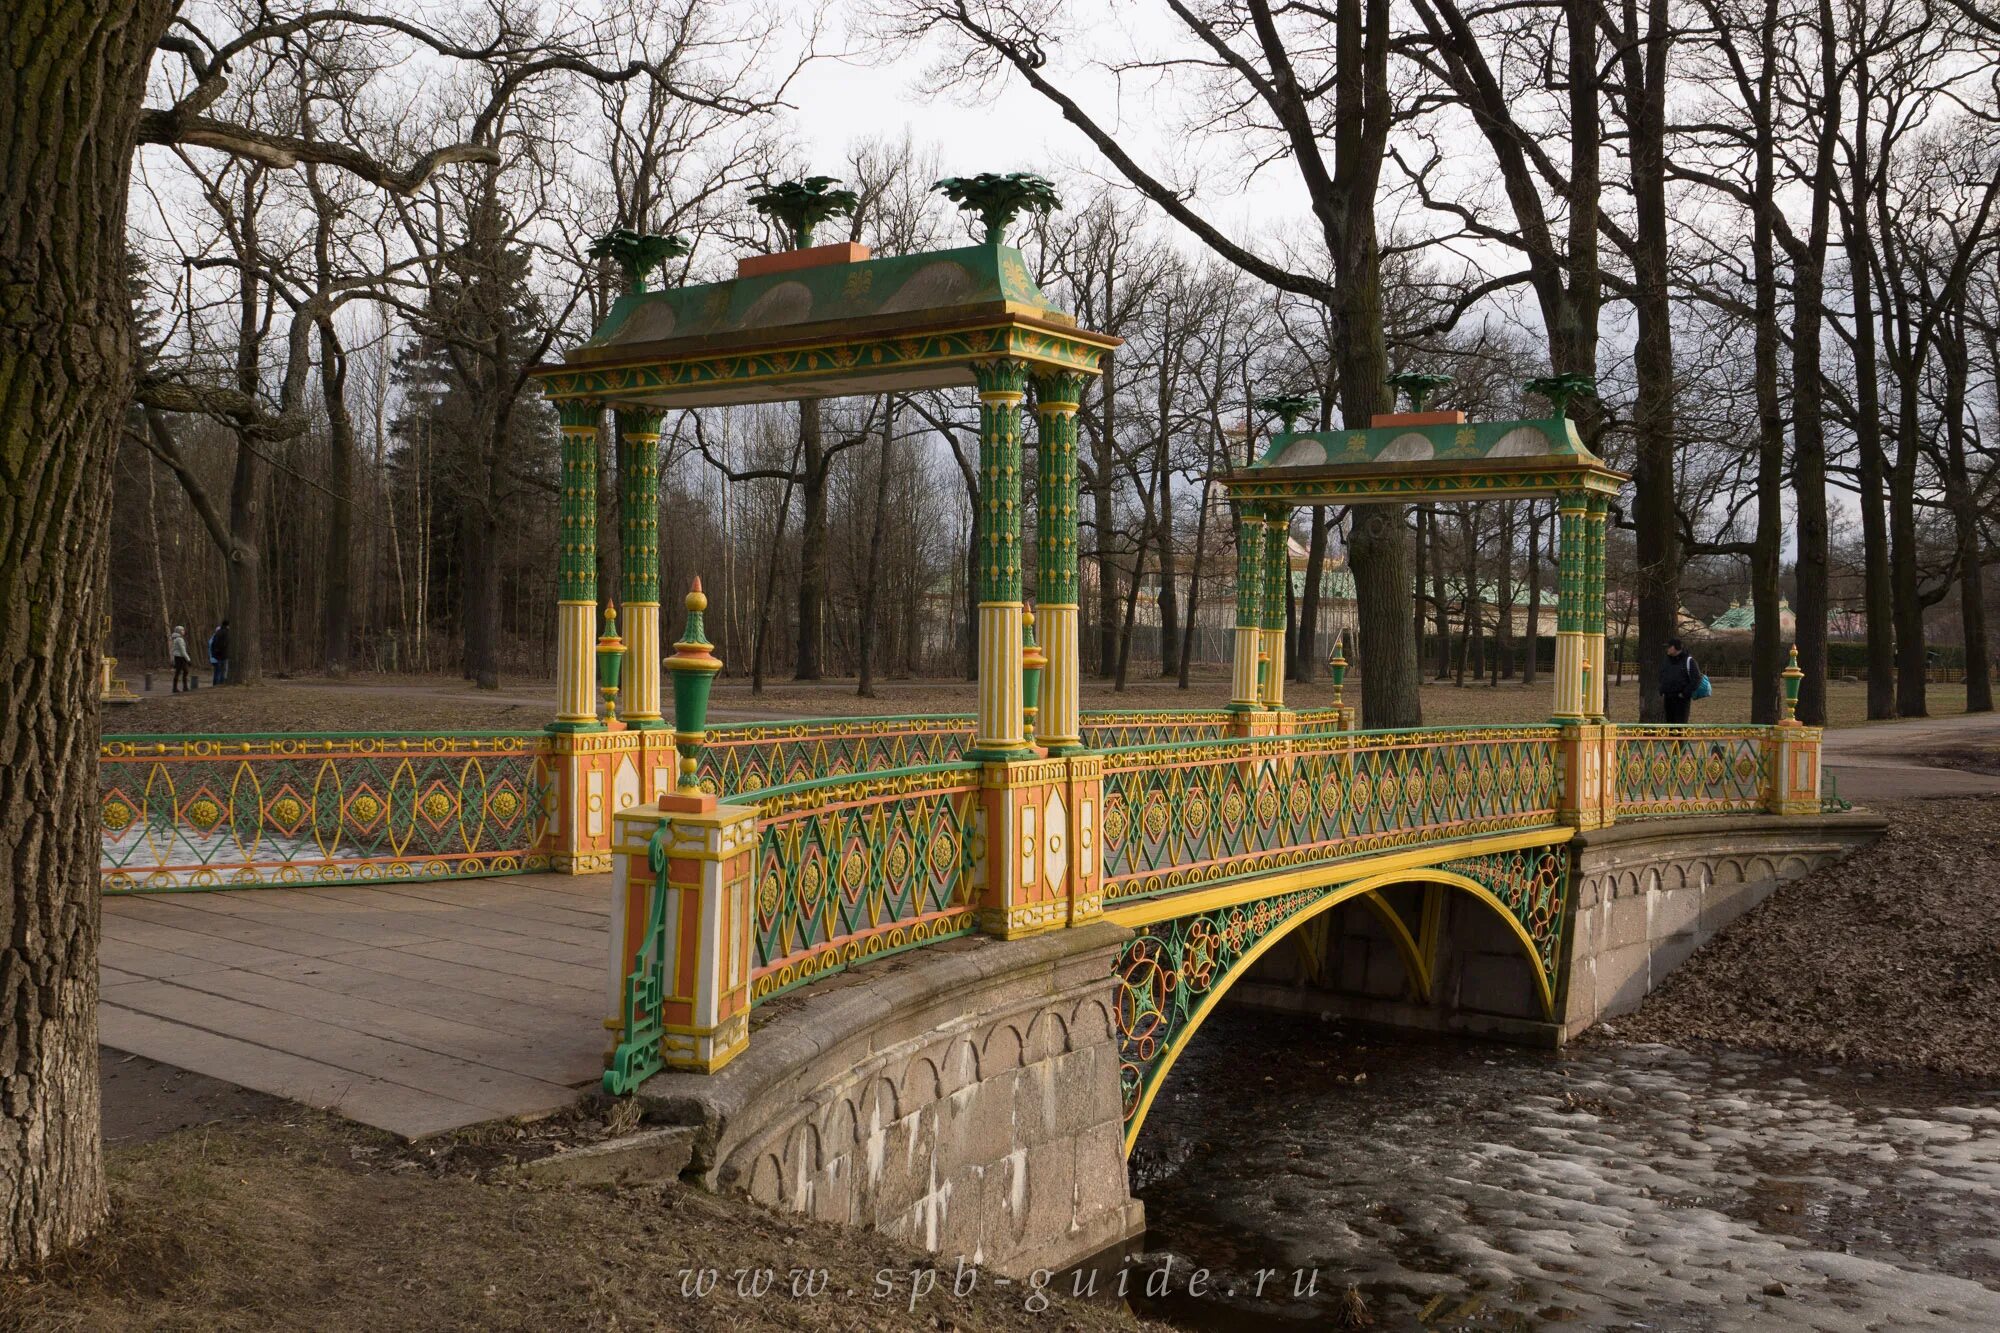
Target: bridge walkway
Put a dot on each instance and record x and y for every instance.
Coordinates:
(416, 1008)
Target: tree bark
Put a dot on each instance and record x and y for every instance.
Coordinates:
(812, 544)
(1658, 573)
(1529, 662)
(1764, 548)
(70, 85)
(1872, 463)
(871, 583)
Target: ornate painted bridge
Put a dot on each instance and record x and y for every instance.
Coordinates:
(1176, 848)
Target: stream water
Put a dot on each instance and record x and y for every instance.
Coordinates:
(1393, 1183)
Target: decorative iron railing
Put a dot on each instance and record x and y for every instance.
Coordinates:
(742, 757)
(1115, 729)
(1665, 771)
(853, 868)
(197, 812)
(1181, 816)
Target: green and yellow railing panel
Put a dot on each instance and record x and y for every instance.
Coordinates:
(747, 757)
(1667, 771)
(1183, 816)
(201, 812)
(849, 869)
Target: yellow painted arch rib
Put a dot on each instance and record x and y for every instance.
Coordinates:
(1360, 888)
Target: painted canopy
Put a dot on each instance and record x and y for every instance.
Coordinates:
(1425, 460)
(868, 326)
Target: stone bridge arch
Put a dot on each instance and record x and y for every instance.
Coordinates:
(1187, 954)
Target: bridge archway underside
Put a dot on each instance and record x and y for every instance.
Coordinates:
(1188, 949)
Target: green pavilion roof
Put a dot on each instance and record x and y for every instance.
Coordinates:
(825, 330)
(1427, 459)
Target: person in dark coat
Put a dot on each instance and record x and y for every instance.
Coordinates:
(218, 651)
(1678, 676)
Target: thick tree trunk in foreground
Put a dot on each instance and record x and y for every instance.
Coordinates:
(70, 84)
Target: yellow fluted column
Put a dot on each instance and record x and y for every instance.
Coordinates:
(639, 519)
(998, 732)
(1060, 724)
(576, 606)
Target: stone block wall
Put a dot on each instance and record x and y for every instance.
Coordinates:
(964, 1097)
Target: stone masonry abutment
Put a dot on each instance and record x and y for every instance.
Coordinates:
(963, 1097)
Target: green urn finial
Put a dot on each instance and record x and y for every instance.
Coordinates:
(692, 669)
(1419, 385)
(1559, 389)
(637, 253)
(801, 205)
(1288, 407)
(1000, 199)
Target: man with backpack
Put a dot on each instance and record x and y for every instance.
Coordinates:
(1681, 682)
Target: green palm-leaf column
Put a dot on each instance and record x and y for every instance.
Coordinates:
(1060, 718)
(1277, 577)
(1003, 384)
(1596, 522)
(639, 520)
(576, 574)
(1572, 560)
(1245, 690)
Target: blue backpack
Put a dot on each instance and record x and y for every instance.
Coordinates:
(1702, 689)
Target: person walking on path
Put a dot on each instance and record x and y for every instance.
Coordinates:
(177, 648)
(218, 651)
(1678, 678)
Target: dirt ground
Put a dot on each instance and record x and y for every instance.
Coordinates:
(413, 703)
(1890, 958)
(230, 1210)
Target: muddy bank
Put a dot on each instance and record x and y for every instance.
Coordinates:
(1891, 958)
(263, 1214)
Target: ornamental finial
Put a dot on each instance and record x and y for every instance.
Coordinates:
(1559, 389)
(1287, 407)
(637, 253)
(1419, 385)
(801, 205)
(693, 667)
(999, 199)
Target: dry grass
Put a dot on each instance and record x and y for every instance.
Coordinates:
(364, 703)
(301, 1221)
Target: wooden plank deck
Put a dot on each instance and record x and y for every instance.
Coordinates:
(416, 1008)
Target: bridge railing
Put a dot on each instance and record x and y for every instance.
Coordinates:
(1182, 816)
(852, 868)
(1667, 771)
(741, 757)
(201, 812)
(722, 904)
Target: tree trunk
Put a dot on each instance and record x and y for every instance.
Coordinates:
(871, 581)
(1658, 573)
(1876, 593)
(1764, 547)
(1440, 608)
(1529, 665)
(1305, 655)
(70, 85)
(336, 620)
(1962, 497)
(812, 543)
(1808, 393)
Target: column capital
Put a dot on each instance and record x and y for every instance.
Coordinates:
(1058, 390)
(1001, 378)
(640, 423)
(579, 414)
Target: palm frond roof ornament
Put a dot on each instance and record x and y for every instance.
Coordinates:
(999, 199)
(799, 206)
(1418, 386)
(1559, 389)
(637, 253)
(1287, 407)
